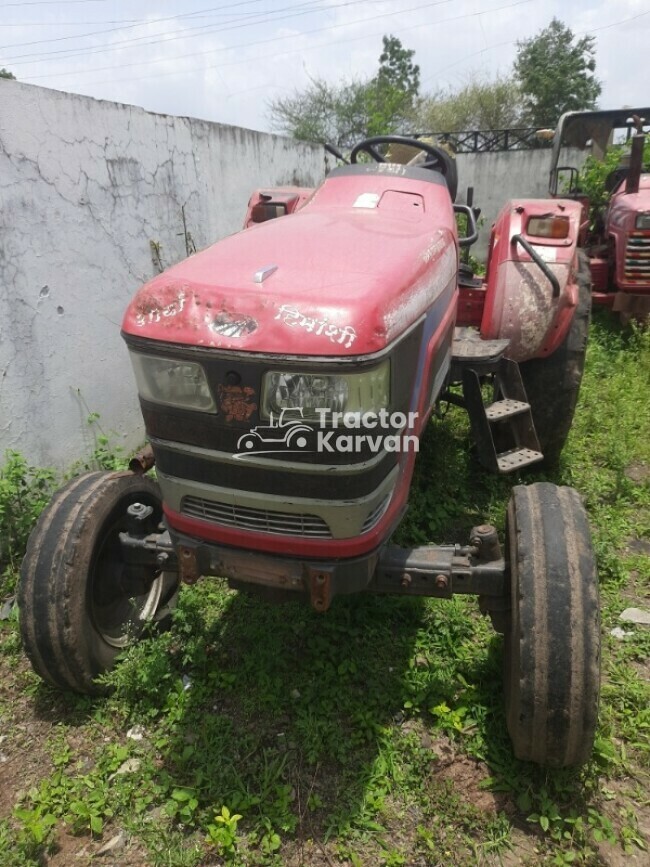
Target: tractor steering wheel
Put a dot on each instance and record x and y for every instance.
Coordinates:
(437, 159)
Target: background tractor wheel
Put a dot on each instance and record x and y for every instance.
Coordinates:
(79, 607)
(553, 383)
(552, 640)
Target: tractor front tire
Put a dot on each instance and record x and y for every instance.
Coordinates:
(552, 639)
(553, 384)
(78, 604)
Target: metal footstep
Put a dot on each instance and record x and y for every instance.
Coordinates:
(516, 459)
(470, 348)
(502, 409)
(503, 429)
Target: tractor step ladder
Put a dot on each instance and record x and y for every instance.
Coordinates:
(503, 429)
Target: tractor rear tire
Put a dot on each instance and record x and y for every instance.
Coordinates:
(553, 384)
(78, 606)
(552, 639)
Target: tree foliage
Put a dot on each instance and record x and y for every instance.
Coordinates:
(4, 73)
(345, 112)
(397, 70)
(594, 174)
(553, 73)
(324, 112)
(556, 74)
(478, 104)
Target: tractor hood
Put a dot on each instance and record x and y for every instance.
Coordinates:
(624, 207)
(345, 275)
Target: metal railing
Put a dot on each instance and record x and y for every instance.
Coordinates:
(490, 140)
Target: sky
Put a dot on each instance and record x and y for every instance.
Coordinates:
(225, 61)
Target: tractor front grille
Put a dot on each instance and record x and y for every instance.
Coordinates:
(269, 521)
(637, 257)
(261, 520)
(375, 515)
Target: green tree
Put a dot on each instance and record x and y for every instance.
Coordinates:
(392, 93)
(478, 104)
(396, 68)
(324, 112)
(348, 111)
(556, 74)
(4, 73)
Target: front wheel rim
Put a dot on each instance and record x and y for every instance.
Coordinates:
(121, 607)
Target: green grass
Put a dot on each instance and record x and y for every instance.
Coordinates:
(372, 735)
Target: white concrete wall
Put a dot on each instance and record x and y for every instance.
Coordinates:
(85, 187)
(499, 177)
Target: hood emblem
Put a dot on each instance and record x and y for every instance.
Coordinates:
(261, 275)
(229, 325)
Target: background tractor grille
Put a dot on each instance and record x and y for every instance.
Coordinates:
(637, 258)
(262, 520)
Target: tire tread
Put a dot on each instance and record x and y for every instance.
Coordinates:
(553, 645)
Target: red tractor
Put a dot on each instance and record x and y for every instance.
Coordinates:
(617, 236)
(350, 318)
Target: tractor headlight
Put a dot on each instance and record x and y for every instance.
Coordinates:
(176, 383)
(643, 221)
(340, 392)
(549, 226)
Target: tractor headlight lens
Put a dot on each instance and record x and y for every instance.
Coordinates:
(643, 221)
(344, 392)
(549, 226)
(176, 383)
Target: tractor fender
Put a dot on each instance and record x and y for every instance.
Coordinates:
(520, 302)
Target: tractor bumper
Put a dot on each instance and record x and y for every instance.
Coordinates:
(631, 304)
(477, 568)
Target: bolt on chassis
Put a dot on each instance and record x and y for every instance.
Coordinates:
(352, 302)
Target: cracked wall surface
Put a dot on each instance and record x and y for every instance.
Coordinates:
(85, 187)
